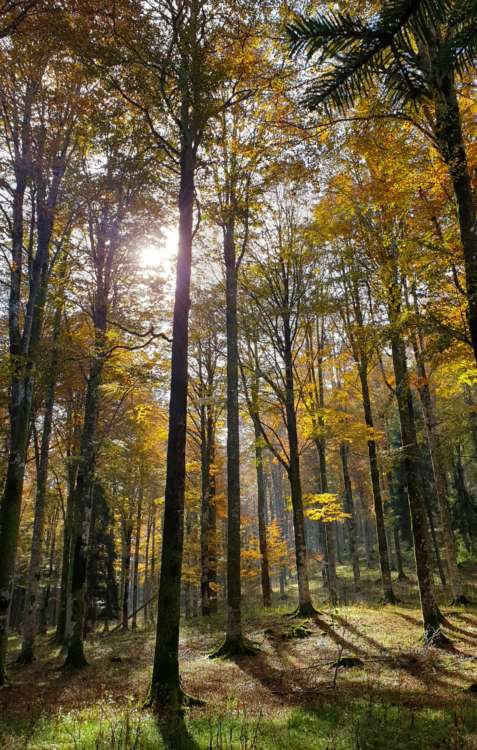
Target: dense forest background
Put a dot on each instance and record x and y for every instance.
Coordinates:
(238, 374)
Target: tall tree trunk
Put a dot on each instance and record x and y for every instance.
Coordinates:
(234, 642)
(329, 530)
(147, 587)
(360, 353)
(127, 536)
(45, 603)
(397, 546)
(440, 481)
(165, 684)
(305, 606)
(208, 521)
(450, 140)
(36, 553)
(137, 543)
(82, 512)
(388, 592)
(349, 508)
(262, 520)
(430, 611)
(61, 625)
(23, 353)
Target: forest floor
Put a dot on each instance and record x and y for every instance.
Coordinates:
(399, 695)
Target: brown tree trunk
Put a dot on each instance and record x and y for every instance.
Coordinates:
(36, 553)
(349, 508)
(127, 536)
(165, 686)
(137, 543)
(262, 520)
(432, 616)
(440, 481)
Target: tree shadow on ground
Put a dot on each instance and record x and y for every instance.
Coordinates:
(337, 638)
(354, 630)
(299, 687)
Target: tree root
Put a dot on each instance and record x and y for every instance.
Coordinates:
(166, 698)
(434, 637)
(25, 657)
(460, 600)
(303, 611)
(75, 661)
(233, 647)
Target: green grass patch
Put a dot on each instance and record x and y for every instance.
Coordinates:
(360, 725)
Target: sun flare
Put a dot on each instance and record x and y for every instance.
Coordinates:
(163, 254)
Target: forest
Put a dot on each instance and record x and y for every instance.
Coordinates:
(238, 374)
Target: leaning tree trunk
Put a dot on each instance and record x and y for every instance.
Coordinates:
(165, 686)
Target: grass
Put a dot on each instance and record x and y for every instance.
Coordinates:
(288, 696)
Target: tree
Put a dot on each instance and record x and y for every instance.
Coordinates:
(37, 167)
(111, 198)
(276, 285)
(416, 50)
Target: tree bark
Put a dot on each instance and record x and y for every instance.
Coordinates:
(165, 684)
(450, 139)
(440, 482)
(36, 552)
(432, 616)
(137, 542)
(262, 520)
(305, 606)
(349, 508)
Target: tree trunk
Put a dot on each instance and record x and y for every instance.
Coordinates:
(305, 606)
(349, 508)
(147, 587)
(440, 482)
(137, 543)
(234, 642)
(208, 520)
(430, 611)
(127, 536)
(328, 530)
(36, 553)
(388, 592)
(61, 626)
(82, 511)
(165, 684)
(450, 139)
(262, 520)
(397, 546)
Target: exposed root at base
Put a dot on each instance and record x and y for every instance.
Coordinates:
(171, 701)
(233, 647)
(460, 600)
(437, 639)
(304, 611)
